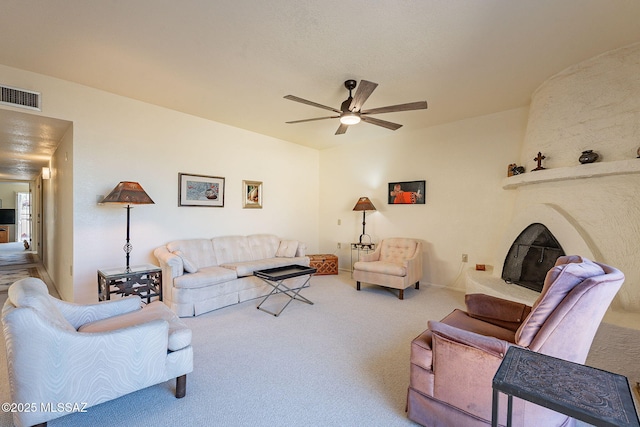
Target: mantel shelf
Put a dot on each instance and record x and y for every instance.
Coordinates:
(590, 170)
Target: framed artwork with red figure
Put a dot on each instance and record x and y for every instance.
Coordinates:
(407, 193)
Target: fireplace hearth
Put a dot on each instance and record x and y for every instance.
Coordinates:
(531, 256)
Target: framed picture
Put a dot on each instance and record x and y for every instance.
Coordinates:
(407, 193)
(200, 190)
(252, 194)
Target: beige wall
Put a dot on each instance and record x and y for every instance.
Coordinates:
(119, 139)
(463, 164)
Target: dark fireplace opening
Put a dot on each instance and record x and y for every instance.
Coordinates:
(531, 256)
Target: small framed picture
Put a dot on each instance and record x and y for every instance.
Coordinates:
(252, 194)
(407, 193)
(200, 190)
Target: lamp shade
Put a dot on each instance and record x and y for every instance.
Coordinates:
(364, 204)
(128, 193)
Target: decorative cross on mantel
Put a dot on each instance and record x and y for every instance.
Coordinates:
(539, 158)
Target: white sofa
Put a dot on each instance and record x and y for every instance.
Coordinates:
(201, 275)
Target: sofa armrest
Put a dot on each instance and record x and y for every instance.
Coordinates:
(169, 262)
(414, 265)
(497, 311)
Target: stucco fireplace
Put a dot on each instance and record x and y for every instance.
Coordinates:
(566, 235)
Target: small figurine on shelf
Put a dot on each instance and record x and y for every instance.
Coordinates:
(517, 170)
(588, 156)
(539, 158)
(514, 169)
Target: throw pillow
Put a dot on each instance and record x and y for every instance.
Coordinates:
(189, 266)
(287, 249)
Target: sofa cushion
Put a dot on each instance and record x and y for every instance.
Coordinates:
(263, 246)
(179, 333)
(231, 249)
(247, 268)
(205, 276)
(199, 251)
(287, 249)
(189, 266)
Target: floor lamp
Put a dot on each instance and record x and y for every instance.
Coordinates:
(364, 205)
(128, 193)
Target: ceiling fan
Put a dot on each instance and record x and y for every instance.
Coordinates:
(351, 112)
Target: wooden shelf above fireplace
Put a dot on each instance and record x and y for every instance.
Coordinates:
(591, 170)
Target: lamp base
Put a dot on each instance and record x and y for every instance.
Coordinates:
(363, 235)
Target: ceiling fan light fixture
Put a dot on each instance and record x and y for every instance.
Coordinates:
(349, 118)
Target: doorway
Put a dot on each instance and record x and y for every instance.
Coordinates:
(23, 231)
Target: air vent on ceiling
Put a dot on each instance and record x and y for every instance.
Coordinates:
(19, 98)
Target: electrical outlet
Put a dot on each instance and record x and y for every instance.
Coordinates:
(465, 257)
(339, 245)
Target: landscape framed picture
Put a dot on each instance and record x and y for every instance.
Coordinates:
(252, 194)
(200, 190)
(407, 193)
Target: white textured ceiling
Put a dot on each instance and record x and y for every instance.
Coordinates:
(232, 61)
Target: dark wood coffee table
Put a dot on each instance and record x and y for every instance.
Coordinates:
(275, 277)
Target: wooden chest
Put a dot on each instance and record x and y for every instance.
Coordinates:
(324, 263)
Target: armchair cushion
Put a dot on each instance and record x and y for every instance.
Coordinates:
(397, 250)
(179, 333)
(382, 267)
(563, 277)
(498, 311)
(34, 294)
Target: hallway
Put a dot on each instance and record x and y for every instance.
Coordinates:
(17, 263)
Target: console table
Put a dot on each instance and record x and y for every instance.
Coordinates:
(142, 280)
(594, 396)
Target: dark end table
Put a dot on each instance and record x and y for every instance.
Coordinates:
(142, 280)
(594, 396)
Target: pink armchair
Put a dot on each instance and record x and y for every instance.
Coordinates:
(454, 361)
(396, 263)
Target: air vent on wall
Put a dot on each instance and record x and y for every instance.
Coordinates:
(19, 98)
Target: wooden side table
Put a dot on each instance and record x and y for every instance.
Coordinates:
(594, 396)
(143, 280)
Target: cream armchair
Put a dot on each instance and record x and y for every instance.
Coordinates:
(396, 263)
(87, 354)
(454, 361)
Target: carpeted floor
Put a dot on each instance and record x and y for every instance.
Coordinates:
(8, 276)
(343, 361)
(17, 258)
